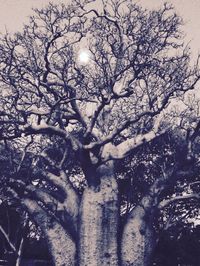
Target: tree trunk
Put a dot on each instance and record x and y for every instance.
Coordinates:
(62, 248)
(99, 221)
(60, 244)
(139, 237)
(138, 240)
(98, 228)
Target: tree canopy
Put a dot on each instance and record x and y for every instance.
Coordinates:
(87, 127)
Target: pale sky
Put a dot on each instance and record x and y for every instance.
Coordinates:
(13, 13)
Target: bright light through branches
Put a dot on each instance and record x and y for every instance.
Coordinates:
(84, 57)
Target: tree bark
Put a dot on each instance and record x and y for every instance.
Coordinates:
(99, 221)
(60, 244)
(138, 240)
(139, 237)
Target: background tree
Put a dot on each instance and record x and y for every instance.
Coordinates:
(93, 83)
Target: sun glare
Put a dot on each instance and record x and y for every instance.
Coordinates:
(84, 57)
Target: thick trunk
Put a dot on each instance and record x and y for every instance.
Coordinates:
(99, 221)
(62, 248)
(60, 244)
(138, 240)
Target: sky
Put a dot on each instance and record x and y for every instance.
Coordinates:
(13, 13)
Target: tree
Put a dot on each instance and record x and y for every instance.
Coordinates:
(92, 83)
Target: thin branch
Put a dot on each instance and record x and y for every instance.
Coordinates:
(166, 202)
(8, 240)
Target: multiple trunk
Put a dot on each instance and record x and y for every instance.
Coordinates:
(97, 242)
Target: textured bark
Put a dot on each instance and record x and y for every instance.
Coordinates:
(99, 222)
(60, 244)
(98, 243)
(72, 201)
(138, 240)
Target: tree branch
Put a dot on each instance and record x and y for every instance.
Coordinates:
(167, 202)
(8, 240)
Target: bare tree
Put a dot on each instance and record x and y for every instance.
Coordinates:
(96, 82)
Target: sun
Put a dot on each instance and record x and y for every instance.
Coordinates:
(84, 57)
